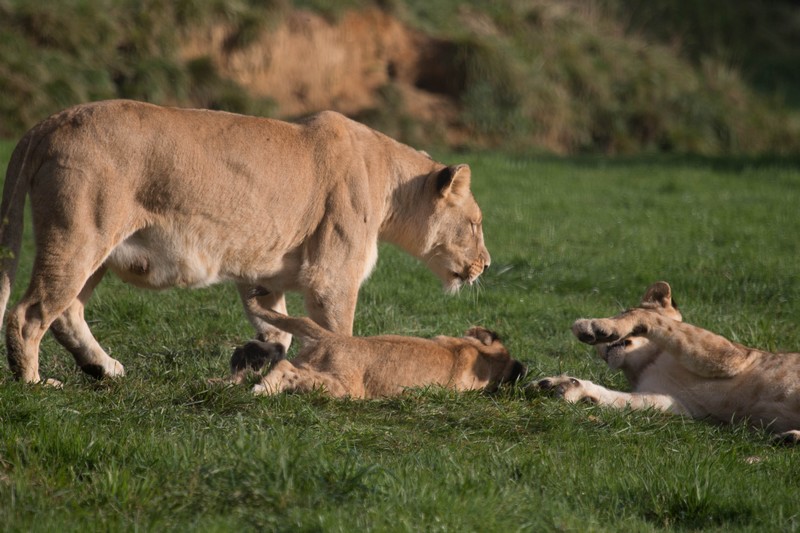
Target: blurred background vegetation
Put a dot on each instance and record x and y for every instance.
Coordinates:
(714, 77)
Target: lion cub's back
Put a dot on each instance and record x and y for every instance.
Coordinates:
(380, 366)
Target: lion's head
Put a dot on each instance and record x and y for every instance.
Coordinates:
(452, 239)
(635, 351)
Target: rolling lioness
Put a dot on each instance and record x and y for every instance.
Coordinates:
(175, 197)
(680, 368)
(372, 367)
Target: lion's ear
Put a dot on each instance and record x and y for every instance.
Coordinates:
(659, 293)
(453, 181)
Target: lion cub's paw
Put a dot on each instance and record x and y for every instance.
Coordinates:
(52, 383)
(570, 389)
(790, 438)
(594, 331)
(255, 355)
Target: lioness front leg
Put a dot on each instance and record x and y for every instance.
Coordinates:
(575, 390)
(333, 308)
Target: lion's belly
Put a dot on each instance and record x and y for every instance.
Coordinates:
(764, 397)
(155, 258)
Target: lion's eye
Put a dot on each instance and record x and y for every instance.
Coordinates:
(474, 227)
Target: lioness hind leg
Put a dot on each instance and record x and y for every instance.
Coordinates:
(72, 332)
(65, 260)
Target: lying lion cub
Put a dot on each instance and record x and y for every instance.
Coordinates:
(371, 367)
(676, 367)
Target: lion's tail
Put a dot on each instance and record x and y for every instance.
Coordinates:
(305, 329)
(18, 180)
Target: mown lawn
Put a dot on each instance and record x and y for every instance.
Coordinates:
(162, 450)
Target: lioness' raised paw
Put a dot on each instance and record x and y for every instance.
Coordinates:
(595, 331)
(570, 389)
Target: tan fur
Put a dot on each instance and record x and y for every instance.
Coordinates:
(680, 368)
(173, 197)
(387, 365)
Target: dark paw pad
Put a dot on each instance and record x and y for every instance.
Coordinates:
(546, 384)
(603, 335)
(557, 386)
(96, 371)
(790, 438)
(255, 355)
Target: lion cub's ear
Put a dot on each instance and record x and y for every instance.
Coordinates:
(484, 335)
(660, 294)
(453, 181)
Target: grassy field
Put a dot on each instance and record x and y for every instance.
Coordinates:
(162, 450)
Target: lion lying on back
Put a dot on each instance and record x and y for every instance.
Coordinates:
(372, 367)
(680, 368)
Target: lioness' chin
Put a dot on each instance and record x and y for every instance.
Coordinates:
(452, 284)
(453, 280)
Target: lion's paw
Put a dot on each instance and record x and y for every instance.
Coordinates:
(52, 383)
(570, 389)
(108, 369)
(788, 437)
(595, 331)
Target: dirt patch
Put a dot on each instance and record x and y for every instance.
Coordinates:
(308, 63)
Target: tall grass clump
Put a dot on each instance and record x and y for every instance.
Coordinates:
(580, 80)
(762, 39)
(53, 56)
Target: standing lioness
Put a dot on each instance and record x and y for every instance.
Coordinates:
(175, 197)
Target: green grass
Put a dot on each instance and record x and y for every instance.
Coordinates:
(162, 450)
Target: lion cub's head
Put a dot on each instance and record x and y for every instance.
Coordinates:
(496, 364)
(451, 235)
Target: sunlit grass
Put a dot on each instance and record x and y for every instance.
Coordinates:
(163, 450)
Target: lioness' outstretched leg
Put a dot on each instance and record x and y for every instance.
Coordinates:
(701, 351)
(268, 300)
(284, 376)
(72, 332)
(575, 390)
